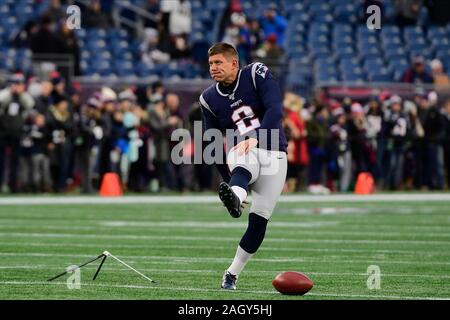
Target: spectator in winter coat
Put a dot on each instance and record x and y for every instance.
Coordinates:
(15, 105)
(295, 128)
(417, 72)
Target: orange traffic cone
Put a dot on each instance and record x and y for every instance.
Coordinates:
(364, 183)
(111, 185)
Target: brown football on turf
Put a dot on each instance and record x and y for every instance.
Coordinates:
(292, 282)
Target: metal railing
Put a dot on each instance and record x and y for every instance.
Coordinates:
(118, 19)
(366, 90)
(63, 63)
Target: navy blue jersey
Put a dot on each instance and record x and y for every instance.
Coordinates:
(253, 102)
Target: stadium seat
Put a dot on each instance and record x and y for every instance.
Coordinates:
(343, 28)
(390, 30)
(363, 32)
(299, 62)
(98, 34)
(425, 52)
(328, 61)
(295, 40)
(381, 75)
(117, 35)
(417, 47)
(321, 35)
(346, 13)
(293, 7)
(294, 80)
(443, 55)
(410, 32)
(319, 28)
(147, 71)
(369, 52)
(391, 46)
(373, 64)
(320, 52)
(341, 39)
(440, 43)
(296, 29)
(301, 18)
(217, 5)
(419, 40)
(345, 52)
(396, 53)
(367, 40)
(319, 8)
(318, 40)
(349, 63)
(352, 77)
(96, 45)
(327, 78)
(436, 32)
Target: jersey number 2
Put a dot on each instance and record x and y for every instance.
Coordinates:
(245, 119)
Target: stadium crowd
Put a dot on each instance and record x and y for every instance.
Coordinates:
(55, 142)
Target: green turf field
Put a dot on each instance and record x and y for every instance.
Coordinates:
(187, 247)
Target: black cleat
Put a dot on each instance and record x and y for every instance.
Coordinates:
(229, 281)
(230, 200)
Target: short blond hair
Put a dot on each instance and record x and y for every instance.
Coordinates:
(223, 48)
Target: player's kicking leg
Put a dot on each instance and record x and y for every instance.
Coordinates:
(265, 193)
(234, 194)
(244, 171)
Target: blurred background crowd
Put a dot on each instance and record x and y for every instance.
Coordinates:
(76, 104)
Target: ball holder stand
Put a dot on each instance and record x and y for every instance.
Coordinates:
(103, 256)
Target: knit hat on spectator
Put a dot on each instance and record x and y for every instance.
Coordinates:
(384, 95)
(271, 37)
(156, 98)
(55, 77)
(75, 88)
(418, 60)
(421, 92)
(58, 99)
(357, 108)
(108, 95)
(338, 112)
(436, 64)
(127, 95)
(395, 99)
(17, 78)
(432, 97)
(156, 85)
(238, 19)
(93, 102)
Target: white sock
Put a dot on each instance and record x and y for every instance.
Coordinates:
(240, 260)
(240, 192)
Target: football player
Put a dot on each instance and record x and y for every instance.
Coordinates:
(249, 102)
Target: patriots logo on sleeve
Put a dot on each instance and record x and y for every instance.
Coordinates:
(261, 70)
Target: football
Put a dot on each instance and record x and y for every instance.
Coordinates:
(292, 282)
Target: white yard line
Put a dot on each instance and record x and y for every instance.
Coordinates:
(53, 200)
(197, 238)
(368, 251)
(183, 224)
(232, 225)
(325, 259)
(44, 224)
(274, 272)
(273, 292)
